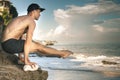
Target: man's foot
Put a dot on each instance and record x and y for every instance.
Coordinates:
(20, 62)
(66, 53)
(21, 58)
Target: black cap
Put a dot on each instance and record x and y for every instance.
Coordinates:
(34, 6)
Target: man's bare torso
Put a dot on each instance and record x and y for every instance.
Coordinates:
(16, 27)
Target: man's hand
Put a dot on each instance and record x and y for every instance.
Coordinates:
(32, 64)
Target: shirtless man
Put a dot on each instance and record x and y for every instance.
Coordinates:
(12, 42)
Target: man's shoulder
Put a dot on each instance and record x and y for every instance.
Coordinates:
(27, 18)
(24, 17)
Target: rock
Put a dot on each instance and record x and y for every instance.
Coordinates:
(109, 62)
(8, 59)
(10, 70)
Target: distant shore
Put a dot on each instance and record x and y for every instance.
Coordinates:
(46, 42)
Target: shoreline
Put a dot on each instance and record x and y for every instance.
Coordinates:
(79, 75)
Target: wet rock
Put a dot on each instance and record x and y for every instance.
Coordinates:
(109, 62)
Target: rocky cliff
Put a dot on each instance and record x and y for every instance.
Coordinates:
(11, 70)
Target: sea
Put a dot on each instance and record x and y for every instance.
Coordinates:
(87, 62)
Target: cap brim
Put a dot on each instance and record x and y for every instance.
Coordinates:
(42, 9)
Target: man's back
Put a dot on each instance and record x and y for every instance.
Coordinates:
(16, 27)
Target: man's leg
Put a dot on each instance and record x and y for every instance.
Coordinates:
(21, 57)
(37, 47)
(47, 50)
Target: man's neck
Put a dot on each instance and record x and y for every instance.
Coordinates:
(30, 15)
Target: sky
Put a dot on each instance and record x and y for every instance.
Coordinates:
(75, 21)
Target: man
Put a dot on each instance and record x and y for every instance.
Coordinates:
(12, 42)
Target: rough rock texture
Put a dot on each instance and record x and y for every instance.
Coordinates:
(109, 62)
(10, 70)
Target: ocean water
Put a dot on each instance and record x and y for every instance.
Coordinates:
(84, 64)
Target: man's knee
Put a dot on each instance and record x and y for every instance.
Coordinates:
(39, 47)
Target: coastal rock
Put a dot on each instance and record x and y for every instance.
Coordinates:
(109, 62)
(10, 70)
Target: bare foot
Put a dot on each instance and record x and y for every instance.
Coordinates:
(21, 58)
(66, 53)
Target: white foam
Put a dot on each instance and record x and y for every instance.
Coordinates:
(81, 62)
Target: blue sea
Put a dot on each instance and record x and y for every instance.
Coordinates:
(84, 64)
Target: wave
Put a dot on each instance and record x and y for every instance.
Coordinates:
(80, 62)
(69, 69)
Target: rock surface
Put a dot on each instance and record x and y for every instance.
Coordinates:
(109, 62)
(10, 70)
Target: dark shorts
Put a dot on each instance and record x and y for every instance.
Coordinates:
(13, 46)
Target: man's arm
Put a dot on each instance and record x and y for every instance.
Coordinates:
(28, 42)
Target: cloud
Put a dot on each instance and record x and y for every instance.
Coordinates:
(61, 14)
(59, 30)
(108, 31)
(108, 26)
(81, 23)
(98, 28)
(102, 7)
